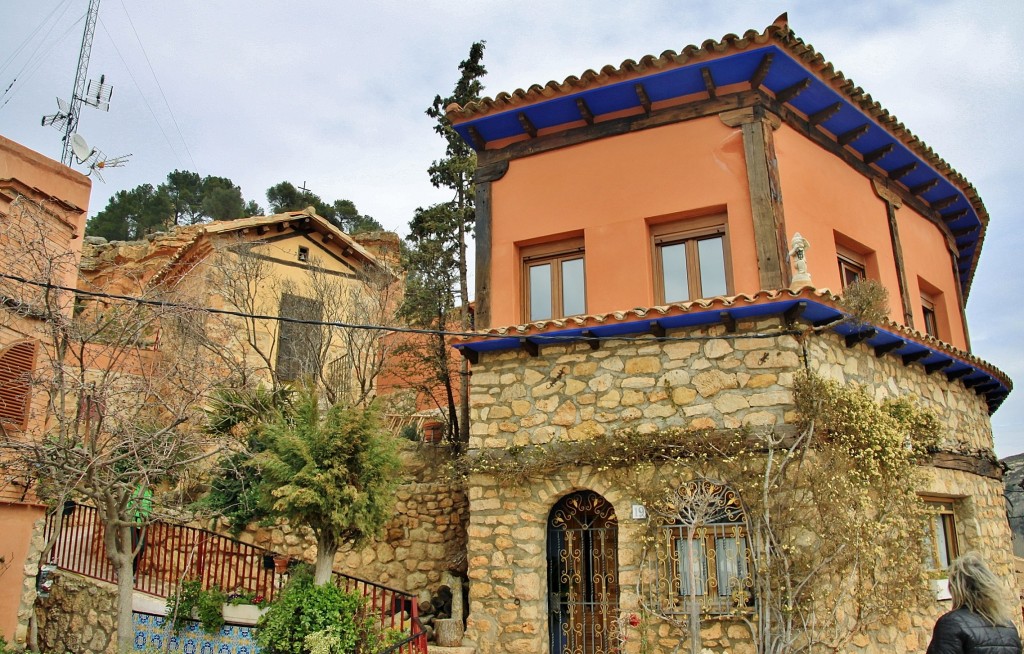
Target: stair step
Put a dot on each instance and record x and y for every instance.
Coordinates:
(437, 649)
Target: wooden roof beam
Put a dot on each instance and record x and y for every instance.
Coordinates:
(915, 356)
(938, 365)
(585, 113)
(902, 171)
(790, 92)
(641, 95)
(757, 79)
(958, 233)
(792, 314)
(470, 355)
(953, 217)
(818, 117)
(593, 340)
(527, 124)
(728, 320)
(846, 138)
(656, 329)
(530, 347)
(957, 374)
(858, 337)
(709, 82)
(882, 350)
(925, 187)
(878, 153)
(945, 202)
(478, 141)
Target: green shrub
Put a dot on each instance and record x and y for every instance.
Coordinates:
(207, 605)
(304, 609)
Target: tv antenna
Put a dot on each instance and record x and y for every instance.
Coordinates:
(88, 92)
(92, 158)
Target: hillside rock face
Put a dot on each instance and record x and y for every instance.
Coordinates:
(1013, 482)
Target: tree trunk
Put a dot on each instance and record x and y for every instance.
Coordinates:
(326, 548)
(464, 322)
(120, 556)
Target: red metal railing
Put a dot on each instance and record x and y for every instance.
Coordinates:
(172, 553)
(397, 609)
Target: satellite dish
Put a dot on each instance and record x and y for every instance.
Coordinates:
(80, 147)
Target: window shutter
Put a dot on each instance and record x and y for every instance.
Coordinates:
(17, 362)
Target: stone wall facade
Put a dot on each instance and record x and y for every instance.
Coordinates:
(79, 616)
(699, 378)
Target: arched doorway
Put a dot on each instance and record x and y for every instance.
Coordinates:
(583, 575)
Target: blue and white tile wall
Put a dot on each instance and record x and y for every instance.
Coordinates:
(152, 632)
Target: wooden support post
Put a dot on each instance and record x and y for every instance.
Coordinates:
(765, 187)
(892, 203)
(483, 255)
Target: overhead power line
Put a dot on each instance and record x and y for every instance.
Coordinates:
(550, 338)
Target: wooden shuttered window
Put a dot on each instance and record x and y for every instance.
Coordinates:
(17, 361)
(298, 344)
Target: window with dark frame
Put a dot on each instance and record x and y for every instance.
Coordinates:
(303, 253)
(850, 271)
(941, 544)
(554, 280)
(690, 260)
(931, 325)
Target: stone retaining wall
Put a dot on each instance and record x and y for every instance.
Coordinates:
(78, 617)
(712, 379)
(424, 539)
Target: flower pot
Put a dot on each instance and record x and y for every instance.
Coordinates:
(242, 614)
(281, 564)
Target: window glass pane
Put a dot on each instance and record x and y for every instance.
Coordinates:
(942, 541)
(574, 301)
(540, 291)
(712, 266)
(700, 575)
(731, 563)
(673, 266)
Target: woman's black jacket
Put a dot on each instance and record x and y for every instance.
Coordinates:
(964, 632)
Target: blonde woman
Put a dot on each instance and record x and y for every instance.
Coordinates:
(981, 619)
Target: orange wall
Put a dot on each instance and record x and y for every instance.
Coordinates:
(15, 539)
(607, 190)
(926, 256)
(823, 195)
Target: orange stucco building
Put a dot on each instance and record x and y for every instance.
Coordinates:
(33, 189)
(664, 245)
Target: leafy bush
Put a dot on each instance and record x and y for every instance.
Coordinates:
(207, 605)
(303, 609)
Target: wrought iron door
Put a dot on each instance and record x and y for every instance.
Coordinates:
(583, 578)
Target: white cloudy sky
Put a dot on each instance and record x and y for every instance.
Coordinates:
(332, 93)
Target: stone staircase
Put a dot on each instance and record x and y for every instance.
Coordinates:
(437, 649)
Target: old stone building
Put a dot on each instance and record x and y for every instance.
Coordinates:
(656, 247)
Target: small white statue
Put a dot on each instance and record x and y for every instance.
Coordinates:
(798, 255)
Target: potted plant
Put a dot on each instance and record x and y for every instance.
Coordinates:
(244, 607)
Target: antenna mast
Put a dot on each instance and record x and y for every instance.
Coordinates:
(78, 95)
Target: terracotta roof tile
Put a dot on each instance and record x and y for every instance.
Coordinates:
(822, 296)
